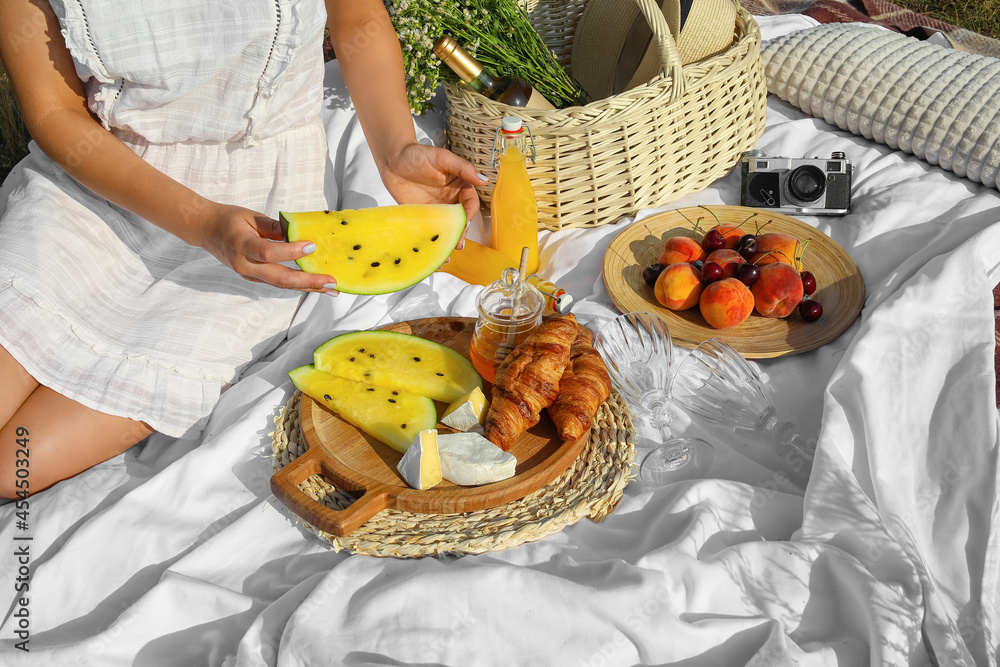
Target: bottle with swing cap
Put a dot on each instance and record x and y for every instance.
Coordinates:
(513, 207)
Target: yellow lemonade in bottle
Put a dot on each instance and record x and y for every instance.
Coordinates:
(513, 208)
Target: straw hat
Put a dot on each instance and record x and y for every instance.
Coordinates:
(613, 49)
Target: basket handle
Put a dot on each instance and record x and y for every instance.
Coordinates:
(666, 47)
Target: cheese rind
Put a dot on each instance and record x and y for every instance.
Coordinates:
(467, 413)
(421, 464)
(469, 459)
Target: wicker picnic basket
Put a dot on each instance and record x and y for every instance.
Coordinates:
(638, 149)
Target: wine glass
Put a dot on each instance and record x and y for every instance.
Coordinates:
(638, 352)
(716, 383)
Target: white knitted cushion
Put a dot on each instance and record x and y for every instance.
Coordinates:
(939, 104)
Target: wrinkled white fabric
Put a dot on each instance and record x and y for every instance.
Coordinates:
(176, 553)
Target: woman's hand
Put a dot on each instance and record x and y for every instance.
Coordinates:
(251, 244)
(420, 174)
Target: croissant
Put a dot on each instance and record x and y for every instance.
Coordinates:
(527, 380)
(584, 386)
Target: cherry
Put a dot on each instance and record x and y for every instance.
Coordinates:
(747, 246)
(711, 272)
(810, 310)
(748, 274)
(651, 273)
(714, 240)
(808, 282)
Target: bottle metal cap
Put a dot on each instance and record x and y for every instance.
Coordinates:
(458, 59)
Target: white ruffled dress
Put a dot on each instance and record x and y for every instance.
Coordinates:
(104, 307)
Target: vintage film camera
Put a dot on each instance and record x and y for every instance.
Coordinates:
(811, 186)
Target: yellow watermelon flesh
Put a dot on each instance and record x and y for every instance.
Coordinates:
(389, 415)
(377, 250)
(399, 360)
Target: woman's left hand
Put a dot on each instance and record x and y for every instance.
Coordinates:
(420, 174)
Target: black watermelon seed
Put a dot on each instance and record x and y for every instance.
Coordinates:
(350, 258)
(361, 349)
(395, 393)
(352, 358)
(392, 400)
(416, 250)
(372, 356)
(416, 358)
(343, 222)
(327, 397)
(374, 264)
(440, 375)
(435, 237)
(327, 212)
(357, 247)
(402, 426)
(398, 260)
(371, 388)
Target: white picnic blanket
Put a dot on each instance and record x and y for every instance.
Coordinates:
(177, 553)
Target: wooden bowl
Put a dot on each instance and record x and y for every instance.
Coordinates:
(840, 287)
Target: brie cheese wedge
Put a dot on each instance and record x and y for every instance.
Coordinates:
(421, 465)
(468, 459)
(467, 413)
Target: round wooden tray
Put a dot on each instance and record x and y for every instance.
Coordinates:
(358, 462)
(840, 287)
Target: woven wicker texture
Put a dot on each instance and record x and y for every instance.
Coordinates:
(639, 149)
(591, 487)
(936, 103)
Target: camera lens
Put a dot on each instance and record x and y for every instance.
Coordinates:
(806, 183)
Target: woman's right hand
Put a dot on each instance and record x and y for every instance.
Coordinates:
(252, 245)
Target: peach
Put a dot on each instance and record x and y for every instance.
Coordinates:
(681, 249)
(778, 290)
(729, 260)
(732, 233)
(777, 247)
(726, 303)
(678, 286)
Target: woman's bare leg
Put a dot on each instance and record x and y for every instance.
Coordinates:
(59, 438)
(17, 385)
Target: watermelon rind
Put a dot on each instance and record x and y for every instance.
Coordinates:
(377, 250)
(391, 416)
(398, 360)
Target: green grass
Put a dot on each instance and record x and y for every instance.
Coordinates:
(982, 16)
(13, 135)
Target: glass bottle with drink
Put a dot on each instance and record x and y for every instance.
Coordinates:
(506, 89)
(513, 207)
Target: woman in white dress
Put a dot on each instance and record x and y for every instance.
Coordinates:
(140, 268)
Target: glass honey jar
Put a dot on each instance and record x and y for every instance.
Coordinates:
(509, 310)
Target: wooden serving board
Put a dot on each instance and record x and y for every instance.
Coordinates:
(356, 462)
(840, 287)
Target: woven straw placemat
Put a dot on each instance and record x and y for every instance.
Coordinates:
(591, 487)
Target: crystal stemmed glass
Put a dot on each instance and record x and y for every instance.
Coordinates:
(638, 352)
(716, 383)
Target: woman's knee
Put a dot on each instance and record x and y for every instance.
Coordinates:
(38, 450)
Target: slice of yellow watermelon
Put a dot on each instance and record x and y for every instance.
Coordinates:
(389, 415)
(377, 250)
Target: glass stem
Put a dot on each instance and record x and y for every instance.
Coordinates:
(795, 450)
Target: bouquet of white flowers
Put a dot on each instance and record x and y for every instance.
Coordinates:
(497, 32)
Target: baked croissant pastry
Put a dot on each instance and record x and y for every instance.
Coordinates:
(527, 380)
(584, 386)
